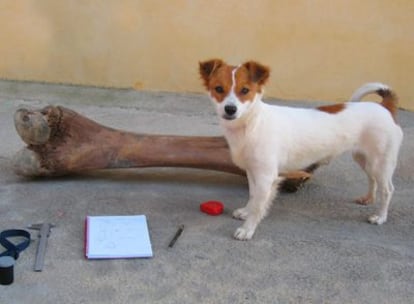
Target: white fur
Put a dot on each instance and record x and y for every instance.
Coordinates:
(368, 88)
(266, 139)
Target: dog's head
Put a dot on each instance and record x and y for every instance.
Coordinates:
(234, 89)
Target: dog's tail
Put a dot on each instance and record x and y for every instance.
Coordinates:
(389, 98)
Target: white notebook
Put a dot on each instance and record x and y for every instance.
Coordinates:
(113, 237)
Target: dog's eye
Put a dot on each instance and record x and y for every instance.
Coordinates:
(244, 91)
(219, 89)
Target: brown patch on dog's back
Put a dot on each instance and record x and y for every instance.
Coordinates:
(332, 109)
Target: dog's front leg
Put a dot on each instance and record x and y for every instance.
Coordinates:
(261, 192)
(242, 213)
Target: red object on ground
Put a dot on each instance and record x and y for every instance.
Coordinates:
(212, 207)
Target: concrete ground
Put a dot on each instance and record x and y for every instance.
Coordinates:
(315, 246)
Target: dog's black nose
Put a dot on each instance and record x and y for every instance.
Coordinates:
(230, 109)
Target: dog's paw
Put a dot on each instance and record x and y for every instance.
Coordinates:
(377, 219)
(243, 234)
(364, 200)
(241, 213)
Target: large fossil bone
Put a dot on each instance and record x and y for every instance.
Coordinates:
(61, 141)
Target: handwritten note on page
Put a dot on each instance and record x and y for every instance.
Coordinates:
(111, 237)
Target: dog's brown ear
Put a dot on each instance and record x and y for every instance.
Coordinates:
(207, 69)
(258, 72)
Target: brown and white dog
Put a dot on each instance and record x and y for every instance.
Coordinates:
(267, 139)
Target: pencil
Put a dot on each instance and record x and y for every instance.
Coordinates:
(176, 236)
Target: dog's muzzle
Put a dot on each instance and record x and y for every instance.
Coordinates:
(229, 112)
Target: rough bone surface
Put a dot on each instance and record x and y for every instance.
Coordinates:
(61, 141)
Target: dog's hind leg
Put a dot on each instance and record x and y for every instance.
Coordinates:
(379, 173)
(386, 191)
(383, 169)
(261, 191)
(369, 198)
